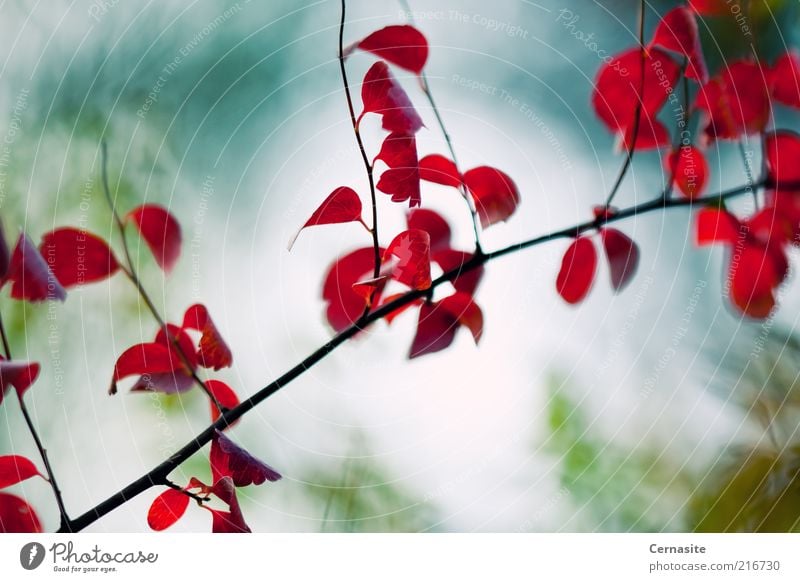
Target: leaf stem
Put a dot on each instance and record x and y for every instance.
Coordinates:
(130, 272)
(51, 478)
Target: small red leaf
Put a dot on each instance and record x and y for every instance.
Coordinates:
(753, 278)
(495, 194)
(620, 89)
(212, 352)
(715, 225)
(438, 323)
(623, 257)
(5, 254)
(161, 231)
(344, 305)
(77, 257)
(432, 223)
(439, 170)
(30, 275)
(450, 260)
(412, 249)
(230, 460)
(383, 95)
(18, 374)
(736, 101)
(401, 45)
(577, 270)
(14, 469)
(149, 359)
(166, 509)
(785, 79)
(224, 395)
(689, 169)
(16, 516)
(231, 521)
(782, 158)
(342, 205)
(401, 180)
(677, 31)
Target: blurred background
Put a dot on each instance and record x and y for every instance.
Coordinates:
(657, 409)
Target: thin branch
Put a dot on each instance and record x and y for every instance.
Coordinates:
(426, 88)
(130, 271)
(376, 246)
(159, 474)
(637, 114)
(51, 478)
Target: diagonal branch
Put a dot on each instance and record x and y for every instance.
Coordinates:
(159, 474)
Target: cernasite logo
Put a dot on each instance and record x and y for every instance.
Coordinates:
(31, 555)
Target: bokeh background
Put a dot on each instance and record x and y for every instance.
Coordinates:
(658, 409)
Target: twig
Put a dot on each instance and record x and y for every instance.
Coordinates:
(376, 246)
(426, 88)
(159, 474)
(51, 478)
(637, 114)
(130, 271)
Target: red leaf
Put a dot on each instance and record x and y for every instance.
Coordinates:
(623, 257)
(213, 352)
(438, 323)
(449, 260)
(18, 374)
(736, 102)
(16, 516)
(495, 194)
(785, 79)
(782, 157)
(413, 251)
(231, 521)
(439, 170)
(401, 180)
(753, 278)
(383, 95)
(432, 223)
(224, 395)
(617, 94)
(14, 469)
(184, 341)
(342, 205)
(711, 7)
(30, 275)
(160, 231)
(715, 225)
(689, 170)
(677, 31)
(77, 257)
(577, 270)
(5, 254)
(230, 460)
(401, 45)
(166, 509)
(345, 305)
(149, 359)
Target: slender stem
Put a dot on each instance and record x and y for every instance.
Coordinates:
(376, 246)
(51, 478)
(159, 474)
(130, 271)
(426, 88)
(637, 114)
(199, 498)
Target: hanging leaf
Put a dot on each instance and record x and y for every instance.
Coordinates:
(166, 509)
(383, 95)
(495, 194)
(577, 270)
(341, 206)
(401, 45)
(30, 276)
(623, 257)
(76, 257)
(160, 231)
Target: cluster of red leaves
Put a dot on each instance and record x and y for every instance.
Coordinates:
(352, 287)
(231, 467)
(630, 92)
